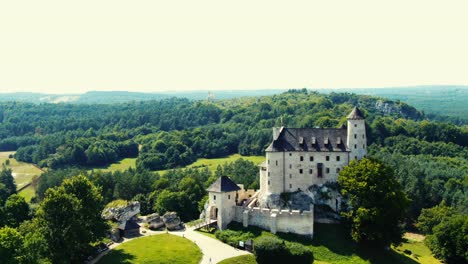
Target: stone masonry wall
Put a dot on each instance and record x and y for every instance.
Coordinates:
(276, 220)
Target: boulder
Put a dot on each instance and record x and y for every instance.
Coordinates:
(115, 234)
(154, 221)
(172, 221)
(121, 211)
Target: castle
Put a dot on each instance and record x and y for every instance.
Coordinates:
(296, 160)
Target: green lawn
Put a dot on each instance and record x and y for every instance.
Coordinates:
(244, 259)
(419, 251)
(332, 245)
(163, 248)
(23, 173)
(28, 193)
(121, 165)
(212, 164)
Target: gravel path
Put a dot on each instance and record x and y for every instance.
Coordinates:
(213, 250)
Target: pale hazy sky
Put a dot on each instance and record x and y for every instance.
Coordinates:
(62, 46)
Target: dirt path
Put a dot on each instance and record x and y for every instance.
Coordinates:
(213, 250)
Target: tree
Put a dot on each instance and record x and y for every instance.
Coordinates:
(70, 219)
(449, 240)
(16, 210)
(7, 184)
(376, 202)
(11, 243)
(431, 217)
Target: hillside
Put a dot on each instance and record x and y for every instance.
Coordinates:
(442, 100)
(430, 158)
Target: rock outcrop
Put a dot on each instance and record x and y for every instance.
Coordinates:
(172, 221)
(121, 212)
(154, 221)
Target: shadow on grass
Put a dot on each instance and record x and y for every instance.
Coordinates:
(336, 238)
(117, 256)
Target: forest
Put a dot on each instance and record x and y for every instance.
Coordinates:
(430, 158)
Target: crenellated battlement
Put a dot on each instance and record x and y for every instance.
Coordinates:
(276, 220)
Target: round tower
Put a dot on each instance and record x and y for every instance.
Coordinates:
(357, 139)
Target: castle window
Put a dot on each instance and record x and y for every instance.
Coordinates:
(229, 197)
(268, 173)
(290, 166)
(311, 158)
(290, 176)
(214, 197)
(355, 135)
(355, 125)
(355, 157)
(268, 182)
(300, 171)
(337, 158)
(302, 158)
(337, 170)
(362, 135)
(355, 146)
(310, 171)
(328, 170)
(363, 146)
(290, 154)
(276, 162)
(290, 186)
(327, 158)
(268, 161)
(319, 170)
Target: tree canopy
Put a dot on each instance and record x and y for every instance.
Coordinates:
(376, 202)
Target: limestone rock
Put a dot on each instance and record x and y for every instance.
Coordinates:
(172, 221)
(121, 212)
(154, 221)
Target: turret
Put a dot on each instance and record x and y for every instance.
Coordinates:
(357, 139)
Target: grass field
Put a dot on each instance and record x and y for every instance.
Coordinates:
(419, 251)
(212, 164)
(120, 165)
(244, 259)
(23, 173)
(332, 245)
(163, 248)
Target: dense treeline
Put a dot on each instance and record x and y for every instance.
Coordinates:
(429, 158)
(175, 132)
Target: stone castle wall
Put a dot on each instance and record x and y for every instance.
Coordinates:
(276, 220)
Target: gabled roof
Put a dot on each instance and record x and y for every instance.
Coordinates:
(310, 139)
(356, 114)
(223, 184)
(129, 225)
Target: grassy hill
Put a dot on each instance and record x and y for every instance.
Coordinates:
(332, 245)
(23, 173)
(164, 248)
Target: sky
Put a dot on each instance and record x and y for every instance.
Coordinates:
(62, 46)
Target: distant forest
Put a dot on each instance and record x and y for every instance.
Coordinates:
(430, 157)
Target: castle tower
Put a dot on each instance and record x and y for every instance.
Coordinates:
(222, 195)
(356, 139)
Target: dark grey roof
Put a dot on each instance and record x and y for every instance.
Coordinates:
(310, 139)
(223, 184)
(356, 114)
(129, 225)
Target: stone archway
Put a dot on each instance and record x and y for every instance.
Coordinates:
(214, 213)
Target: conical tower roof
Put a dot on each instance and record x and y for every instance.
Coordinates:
(356, 114)
(223, 184)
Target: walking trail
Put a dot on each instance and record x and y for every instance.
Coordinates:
(213, 250)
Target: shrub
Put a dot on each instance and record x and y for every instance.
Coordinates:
(270, 250)
(299, 253)
(232, 237)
